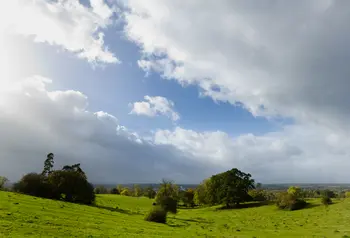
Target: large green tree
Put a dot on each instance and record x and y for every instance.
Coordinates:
(230, 188)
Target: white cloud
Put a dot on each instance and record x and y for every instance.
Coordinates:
(276, 58)
(296, 154)
(155, 106)
(64, 23)
(35, 121)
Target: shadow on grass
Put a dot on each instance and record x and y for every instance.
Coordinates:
(188, 208)
(245, 205)
(197, 220)
(117, 209)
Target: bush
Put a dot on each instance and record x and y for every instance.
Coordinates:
(326, 200)
(288, 201)
(168, 204)
(258, 195)
(156, 214)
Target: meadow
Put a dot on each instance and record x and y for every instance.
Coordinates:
(120, 216)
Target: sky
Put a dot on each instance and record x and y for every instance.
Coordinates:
(137, 91)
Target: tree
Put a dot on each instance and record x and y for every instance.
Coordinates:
(289, 200)
(125, 192)
(258, 195)
(230, 188)
(167, 189)
(3, 181)
(201, 194)
(48, 164)
(120, 188)
(137, 191)
(296, 191)
(168, 196)
(188, 197)
(328, 193)
(149, 192)
(75, 168)
(100, 190)
(72, 186)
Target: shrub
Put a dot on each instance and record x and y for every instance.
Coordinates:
(169, 204)
(325, 200)
(156, 214)
(288, 201)
(258, 195)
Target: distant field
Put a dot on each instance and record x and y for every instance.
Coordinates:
(22, 215)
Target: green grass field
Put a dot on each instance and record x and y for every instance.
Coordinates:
(118, 216)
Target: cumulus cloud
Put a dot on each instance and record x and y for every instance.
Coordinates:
(155, 106)
(35, 121)
(276, 58)
(65, 23)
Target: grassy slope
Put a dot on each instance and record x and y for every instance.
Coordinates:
(22, 215)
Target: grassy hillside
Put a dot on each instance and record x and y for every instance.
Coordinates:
(22, 215)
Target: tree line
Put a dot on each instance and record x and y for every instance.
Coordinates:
(227, 189)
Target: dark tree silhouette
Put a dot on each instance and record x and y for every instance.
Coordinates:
(48, 164)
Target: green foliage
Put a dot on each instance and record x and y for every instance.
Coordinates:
(125, 192)
(258, 195)
(188, 197)
(100, 190)
(325, 200)
(289, 201)
(72, 186)
(120, 188)
(149, 192)
(69, 184)
(169, 204)
(167, 189)
(48, 164)
(347, 194)
(115, 191)
(201, 194)
(136, 190)
(328, 193)
(156, 214)
(230, 188)
(3, 181)
(36, 185)
(295, 191)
